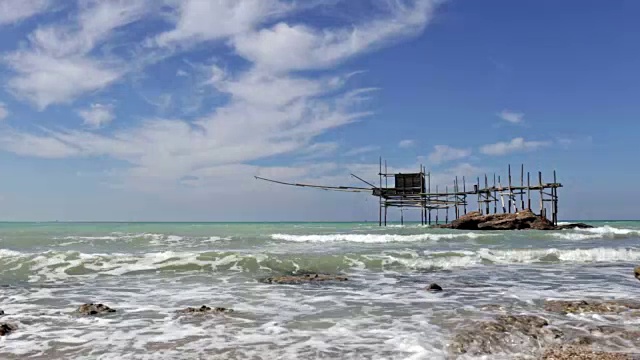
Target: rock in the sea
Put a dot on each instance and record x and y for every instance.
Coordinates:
(94, 309)
(434, 287)
(636, 272)
(507, 333)
(573, 352)
(205, 310)
(306, 278)
(583, 306)
(6, 329)
(521, 220)
(1, 312)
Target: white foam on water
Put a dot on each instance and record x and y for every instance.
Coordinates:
(610, 231)
(575, 236)
(374, 238)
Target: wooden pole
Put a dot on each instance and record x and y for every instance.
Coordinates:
(386, 185)
(464, 189)
(495, 195)
(437, 209)
(478, 191)
(380, 188)
(455, 190)
(486, 194)
(528, 191)
(504, 210)
(429, 198)
(522, 185)
(509, 201)
(555, 199)
(542, 212)
(446, 216)
(421, 197)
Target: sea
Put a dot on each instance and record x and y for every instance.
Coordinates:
(148, 271)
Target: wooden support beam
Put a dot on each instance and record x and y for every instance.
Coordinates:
(509, 201)
(522, 185)
(464, 189)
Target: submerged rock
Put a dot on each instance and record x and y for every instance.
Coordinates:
(583, 306)
(636, 272)
(583, 353)
(506, 333)
(6, 329)
(434, 287)
(94, 309)
(521, 220)
(1, 312)
(306, 278)
(205, 310)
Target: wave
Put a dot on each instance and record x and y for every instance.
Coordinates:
(54, 265)
(375, 238)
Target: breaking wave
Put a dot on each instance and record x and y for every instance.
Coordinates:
(376, 238)
(54, 265)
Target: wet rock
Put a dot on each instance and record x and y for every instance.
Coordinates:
(434, 287)
(521, 220)
(610, 331)
(306, 278)
(574, 226)
(583, 306)
(506, 333)
(205, 310)
(1, 312)
(583, 353)
(636, 272)
(6, 329)
(94, 309)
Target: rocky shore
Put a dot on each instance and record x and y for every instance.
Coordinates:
(549, 330)
(569, 338)
(522, 220)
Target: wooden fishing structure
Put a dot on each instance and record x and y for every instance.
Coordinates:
(414, 191)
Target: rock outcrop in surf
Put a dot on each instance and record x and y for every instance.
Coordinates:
(6, 329)
(205, 310)
(94, 309)
(522, 220)
(306, 278)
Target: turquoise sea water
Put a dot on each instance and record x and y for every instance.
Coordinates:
(147, 271)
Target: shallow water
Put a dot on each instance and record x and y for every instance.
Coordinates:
(148, 271)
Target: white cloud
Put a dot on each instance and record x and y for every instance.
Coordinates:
(320, 150)
(3, 111)
(442, 153)
(511, 116)
(286, 47)
(269, 108)
(97, 115)
(12, 11)
(194, 19)
(515, 145)
(57, 66)
(34, 145)
(361, 150)
(405, 144)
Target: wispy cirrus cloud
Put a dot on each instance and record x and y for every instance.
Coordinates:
(407, 143)
(12, 11)
(515, 145)
(4, 112)
(270, 108)
(97, 115)
(443, 153)
(57, 65)
(511, 116)
(361, 150)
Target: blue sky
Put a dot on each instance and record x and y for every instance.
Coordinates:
(166, 110)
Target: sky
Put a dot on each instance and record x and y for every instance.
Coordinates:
(165, 110)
